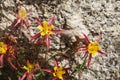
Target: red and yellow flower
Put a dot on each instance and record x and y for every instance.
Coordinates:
(30, 69)
(92, 48)
(6, 51)
(58, 71)
(46, 30)
(21, 18)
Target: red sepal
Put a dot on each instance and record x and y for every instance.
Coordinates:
(24, 76)
(58, 31)
(38, 21)
(51, 21)
(30, 76)
(101, 52)
(35, 36)
(47, 41)
(9, 61)
(47, 70)
(54, 78)
(56, 63)
(1, 60)
(99, 39)
(86, 39)
(89, 60)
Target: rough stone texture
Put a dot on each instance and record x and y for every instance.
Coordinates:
(89, 16)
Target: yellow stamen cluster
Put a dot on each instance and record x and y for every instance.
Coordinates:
(3, 48)
(59, 72)
(29, 67)
(22, 13)
(45, 29)
(93, 48)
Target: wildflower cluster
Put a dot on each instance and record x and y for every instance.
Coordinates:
(10, 50)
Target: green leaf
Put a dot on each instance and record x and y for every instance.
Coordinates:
(20, 73)
(37, 75)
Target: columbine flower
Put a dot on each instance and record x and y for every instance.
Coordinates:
(58, 71)
(6, 51)
(46, 30)
(92, 48)
(30, 69)
(21, 18)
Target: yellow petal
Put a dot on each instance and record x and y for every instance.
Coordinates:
(43, 33)
(2, 51)
(50, 32)
(61, 68)
(22, 13)
(51, 27)
(93, 48)
(54, 74)
(26, 68)
(55, 68)
(60, 76)
(1, 43)
(40, 28)
(94, 53)
(3, 48)
(30, 65)
(58, 72)
(99, 47)
(45, 25)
